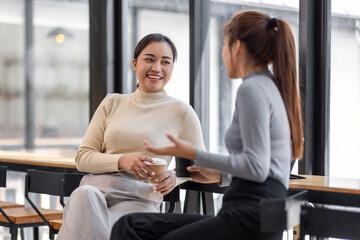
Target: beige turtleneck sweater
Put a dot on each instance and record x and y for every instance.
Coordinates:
(122, 122)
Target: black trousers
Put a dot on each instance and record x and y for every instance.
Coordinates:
(239, 218)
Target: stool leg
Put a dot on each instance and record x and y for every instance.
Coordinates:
(192, 202)
(36, 233)
(52, 234)
(13, 232)
(208, 203)
(22, 234)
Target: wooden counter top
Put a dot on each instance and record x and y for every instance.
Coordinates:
(326, 183)
(46, 157)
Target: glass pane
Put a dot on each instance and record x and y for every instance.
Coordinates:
(60, 74)
(12, 82)
(61, 70)
(170, 18)
(345, 89)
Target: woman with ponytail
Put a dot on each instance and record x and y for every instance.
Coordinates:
(263, 138)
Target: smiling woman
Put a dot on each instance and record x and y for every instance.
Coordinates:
(113, 152)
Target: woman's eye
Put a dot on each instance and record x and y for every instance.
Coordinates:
(148, 59)
(166, 62)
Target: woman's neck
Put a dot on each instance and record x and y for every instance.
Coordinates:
(247, 69)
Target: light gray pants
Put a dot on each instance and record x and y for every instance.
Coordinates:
(100, 200)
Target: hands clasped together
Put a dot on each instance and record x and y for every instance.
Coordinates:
(137, 166)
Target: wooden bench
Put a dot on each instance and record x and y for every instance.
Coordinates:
(56, 224)
(4, 204)
(21, 215)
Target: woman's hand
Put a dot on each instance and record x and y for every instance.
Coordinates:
(167, 183)
(180, 148)
(136, 166)
(204, 175)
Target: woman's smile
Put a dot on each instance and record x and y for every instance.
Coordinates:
(155, 78)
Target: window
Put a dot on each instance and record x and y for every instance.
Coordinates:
(61, 72)
(57, 69)
(12, 82)
(345, 89)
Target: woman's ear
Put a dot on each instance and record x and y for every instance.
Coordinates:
(134, 65)
(237, 47)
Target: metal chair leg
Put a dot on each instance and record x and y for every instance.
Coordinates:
(208, 203)
(51, 234)
(36, 233)
(13, 232)
(22, 234)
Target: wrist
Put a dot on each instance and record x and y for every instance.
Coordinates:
(119, 163)
(174, 176)
(192, 153)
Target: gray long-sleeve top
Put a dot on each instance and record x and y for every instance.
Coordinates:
(258, 138)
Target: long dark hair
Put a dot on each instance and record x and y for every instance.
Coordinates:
(269, 40)
(154, 37)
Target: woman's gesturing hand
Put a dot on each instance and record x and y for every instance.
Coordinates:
(180, 148)
(136, 166)
(204, 175)
(167, 183)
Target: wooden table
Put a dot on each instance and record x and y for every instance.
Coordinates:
(325, 190)
(329, 190)
(326, 183)
(57, 160)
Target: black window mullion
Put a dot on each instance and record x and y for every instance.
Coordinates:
(314, 64)
(200, 62)
(97, 54)
(106, 61)
(120, 46)
(132, 45)
(29, 78)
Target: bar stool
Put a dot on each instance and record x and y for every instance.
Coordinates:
(16, 216)
(5, 204)
(329, 222)
(51, 183)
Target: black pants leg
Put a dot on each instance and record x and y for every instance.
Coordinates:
(141, 226)
(148, 226)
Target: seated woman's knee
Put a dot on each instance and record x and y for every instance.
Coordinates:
(86, 191)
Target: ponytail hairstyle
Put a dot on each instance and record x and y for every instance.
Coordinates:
(269, 40)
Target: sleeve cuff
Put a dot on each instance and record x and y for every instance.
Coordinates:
(225, 180)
